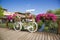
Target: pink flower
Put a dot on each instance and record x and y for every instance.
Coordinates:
(9, 17)
(49, 16)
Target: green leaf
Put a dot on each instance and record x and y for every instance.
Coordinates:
(1, 11)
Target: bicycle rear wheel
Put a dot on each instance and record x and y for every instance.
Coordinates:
(17, 26)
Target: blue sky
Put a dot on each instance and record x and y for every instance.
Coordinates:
(40, 6)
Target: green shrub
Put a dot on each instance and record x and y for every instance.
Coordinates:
(10, 25)
(40, 24)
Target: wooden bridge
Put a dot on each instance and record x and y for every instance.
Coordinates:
(6, 34)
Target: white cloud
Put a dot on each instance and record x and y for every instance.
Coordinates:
(30, 10)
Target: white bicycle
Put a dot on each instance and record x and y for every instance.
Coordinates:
(28, 25)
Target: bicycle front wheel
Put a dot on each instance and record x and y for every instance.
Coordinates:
(32, 27)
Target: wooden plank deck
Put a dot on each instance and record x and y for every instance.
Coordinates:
(6, 34)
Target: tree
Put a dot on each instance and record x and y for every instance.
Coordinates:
(50, 11)
(57, 11)
(1, 11)
(1, 14)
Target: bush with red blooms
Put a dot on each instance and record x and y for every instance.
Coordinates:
(44, 17)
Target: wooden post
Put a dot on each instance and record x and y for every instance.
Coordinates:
(59, 26)
(7, 22)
